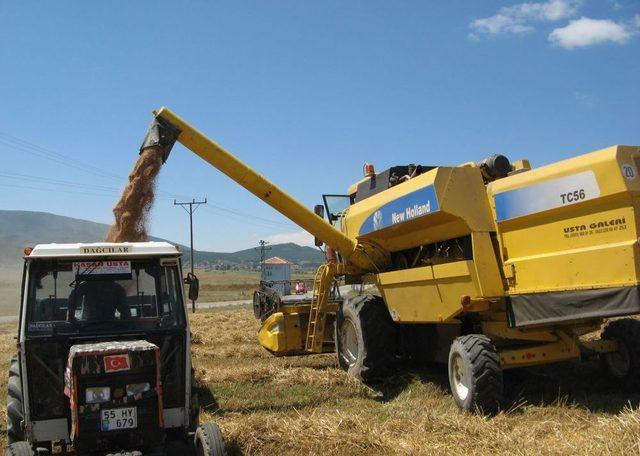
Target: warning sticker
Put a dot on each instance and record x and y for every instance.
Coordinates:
(102, 267)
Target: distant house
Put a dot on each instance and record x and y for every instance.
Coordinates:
(278, 270)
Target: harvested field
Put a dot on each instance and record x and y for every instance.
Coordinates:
(218, 286)
(305, 405)
(10, 282)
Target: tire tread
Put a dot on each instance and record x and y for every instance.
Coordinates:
(15, 412)
(488, 388)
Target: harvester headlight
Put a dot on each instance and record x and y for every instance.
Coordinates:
(97, 395)
(137, 388)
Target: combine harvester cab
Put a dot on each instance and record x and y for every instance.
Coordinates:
(484, 266)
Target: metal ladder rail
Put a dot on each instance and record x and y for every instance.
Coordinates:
(317, 314)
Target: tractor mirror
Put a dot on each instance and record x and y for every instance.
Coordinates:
(194, 286)
(319, 210)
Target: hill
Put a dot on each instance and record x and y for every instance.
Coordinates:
(21, 228)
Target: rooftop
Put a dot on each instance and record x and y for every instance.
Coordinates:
(104, 249)
(276, 260)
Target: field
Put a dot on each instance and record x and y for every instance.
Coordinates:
(306, 405)
(10, 279)
(218, 286)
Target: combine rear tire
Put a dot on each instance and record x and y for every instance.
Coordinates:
(623, 364)
(15, 411)
(208, 441)
(475, 374)
(19, 449)
(366, 338)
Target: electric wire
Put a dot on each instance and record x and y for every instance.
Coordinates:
(42, 152)
(68, 187)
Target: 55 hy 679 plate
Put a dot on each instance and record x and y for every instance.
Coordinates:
(118, 419)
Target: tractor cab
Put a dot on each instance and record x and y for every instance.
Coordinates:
(104, 350)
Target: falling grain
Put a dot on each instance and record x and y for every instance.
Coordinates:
(133, 208)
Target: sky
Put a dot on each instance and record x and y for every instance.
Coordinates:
(305, 92)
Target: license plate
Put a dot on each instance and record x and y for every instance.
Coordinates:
(120, 418)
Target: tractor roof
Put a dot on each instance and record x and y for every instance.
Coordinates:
(104, 249)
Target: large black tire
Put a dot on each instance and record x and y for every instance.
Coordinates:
(15, 411)
(475, 375)
(19, 449)
(208, 441)
(366, 338)
(624, 364)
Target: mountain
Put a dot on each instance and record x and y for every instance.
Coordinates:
(22, 228)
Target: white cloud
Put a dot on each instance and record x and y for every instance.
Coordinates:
(298, 237)
(585, 32)
(586, 99)
(517, 19)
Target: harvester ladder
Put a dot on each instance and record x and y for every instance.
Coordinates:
(318, 313)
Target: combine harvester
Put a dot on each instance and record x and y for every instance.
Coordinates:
(485, 266)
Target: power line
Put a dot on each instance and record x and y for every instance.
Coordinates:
(29, 147)
(255, 220)
(55, 190)
(81, 189)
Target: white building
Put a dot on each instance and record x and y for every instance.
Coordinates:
(278, 270)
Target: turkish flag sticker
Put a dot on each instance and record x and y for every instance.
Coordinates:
(115, 363)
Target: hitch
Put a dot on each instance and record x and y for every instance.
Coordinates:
(161, 133)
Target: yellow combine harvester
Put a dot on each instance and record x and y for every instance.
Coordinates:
(486, 266)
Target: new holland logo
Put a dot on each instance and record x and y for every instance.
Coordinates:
(403, 209)
(378, 221)
(116, 363)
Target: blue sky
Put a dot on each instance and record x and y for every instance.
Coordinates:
(303, 91)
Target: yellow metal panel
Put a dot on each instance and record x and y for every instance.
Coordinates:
(582, 245)
(600, 266)
(281, 334)
(463, 207)
(429, 294)
(565, 349)
(485, 266)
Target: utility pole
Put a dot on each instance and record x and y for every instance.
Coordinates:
(190, 211)
(263, 249)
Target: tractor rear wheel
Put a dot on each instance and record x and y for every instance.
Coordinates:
(19, 449)
(623, 364)
(366, 338)
(475, 375)
(15, 411)
(208, 441)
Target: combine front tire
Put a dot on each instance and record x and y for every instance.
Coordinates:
(475, 374)
(365, 338)
(623, 364)
(209, 441)
(15, 412)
